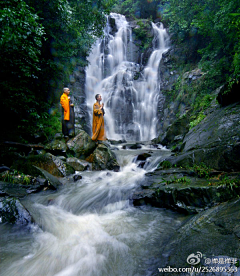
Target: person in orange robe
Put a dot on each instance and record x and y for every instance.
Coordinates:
(68, 118)
(98, 129)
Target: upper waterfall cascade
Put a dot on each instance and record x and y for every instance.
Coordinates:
(130, 93)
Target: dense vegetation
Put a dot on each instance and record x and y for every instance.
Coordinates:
(209, 30)
(40, 43)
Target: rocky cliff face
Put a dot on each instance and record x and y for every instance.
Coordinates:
(77, 88)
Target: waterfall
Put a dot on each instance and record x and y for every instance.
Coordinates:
(130, 95)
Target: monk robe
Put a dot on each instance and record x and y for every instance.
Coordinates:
(98, 123)
(68, 117)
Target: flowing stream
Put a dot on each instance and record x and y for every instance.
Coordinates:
(90, 227)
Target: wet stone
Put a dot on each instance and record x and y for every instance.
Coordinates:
(77, 177)
(12, 211)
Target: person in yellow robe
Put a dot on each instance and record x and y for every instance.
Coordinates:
(68, 117)
(98, 129)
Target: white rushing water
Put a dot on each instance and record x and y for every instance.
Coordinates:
(130, 103)
(89, 227)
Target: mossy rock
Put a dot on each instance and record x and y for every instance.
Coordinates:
(12, 211)
(48, 162)
(104, 159)
(81, 146)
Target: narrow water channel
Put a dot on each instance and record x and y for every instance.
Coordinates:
(89, 227)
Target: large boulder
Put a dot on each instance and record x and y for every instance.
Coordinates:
(223, 157)
(215, 141)
(81, 146)
(12, 211)
(175, 132)
(48, 162)
(104, 159)
(57, 146)
(181, 190)
(214, 233)
(78, 165)
(52, 181)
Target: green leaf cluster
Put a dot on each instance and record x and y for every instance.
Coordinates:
(202, 170)
(215, 24)
(174, 179)
(40, 43)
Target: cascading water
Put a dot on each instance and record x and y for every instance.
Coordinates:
(89, 228)
(131, 96)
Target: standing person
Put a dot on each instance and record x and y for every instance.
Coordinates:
(98, 121)
(68, 116)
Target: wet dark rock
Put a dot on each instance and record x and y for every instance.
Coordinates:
(229, 97)
(220, 127)
(81, 146)
(48, 162)
(175, 132)
(113, 26)
(132, 146)
(114, 148)
(20, 190)
(57, 146)
(77, 164)
(53, 182)
(40, 184)
(77, 177)
(181, 190)
(13, 190)
(213, 232)
(220, 158)
(214, 141)
(141, 164)
(143, 157)
(12, 211)
(116, 142)
(104, 159)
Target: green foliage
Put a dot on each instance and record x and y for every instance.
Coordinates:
(215, 25)
(165, 164)
(201, 169)
(47, 124)
(199, 118)
(230, 182)
(143, 34)
(183, 180)
(16, 177)
(20, 40)
(21, 36)
(40, 43)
